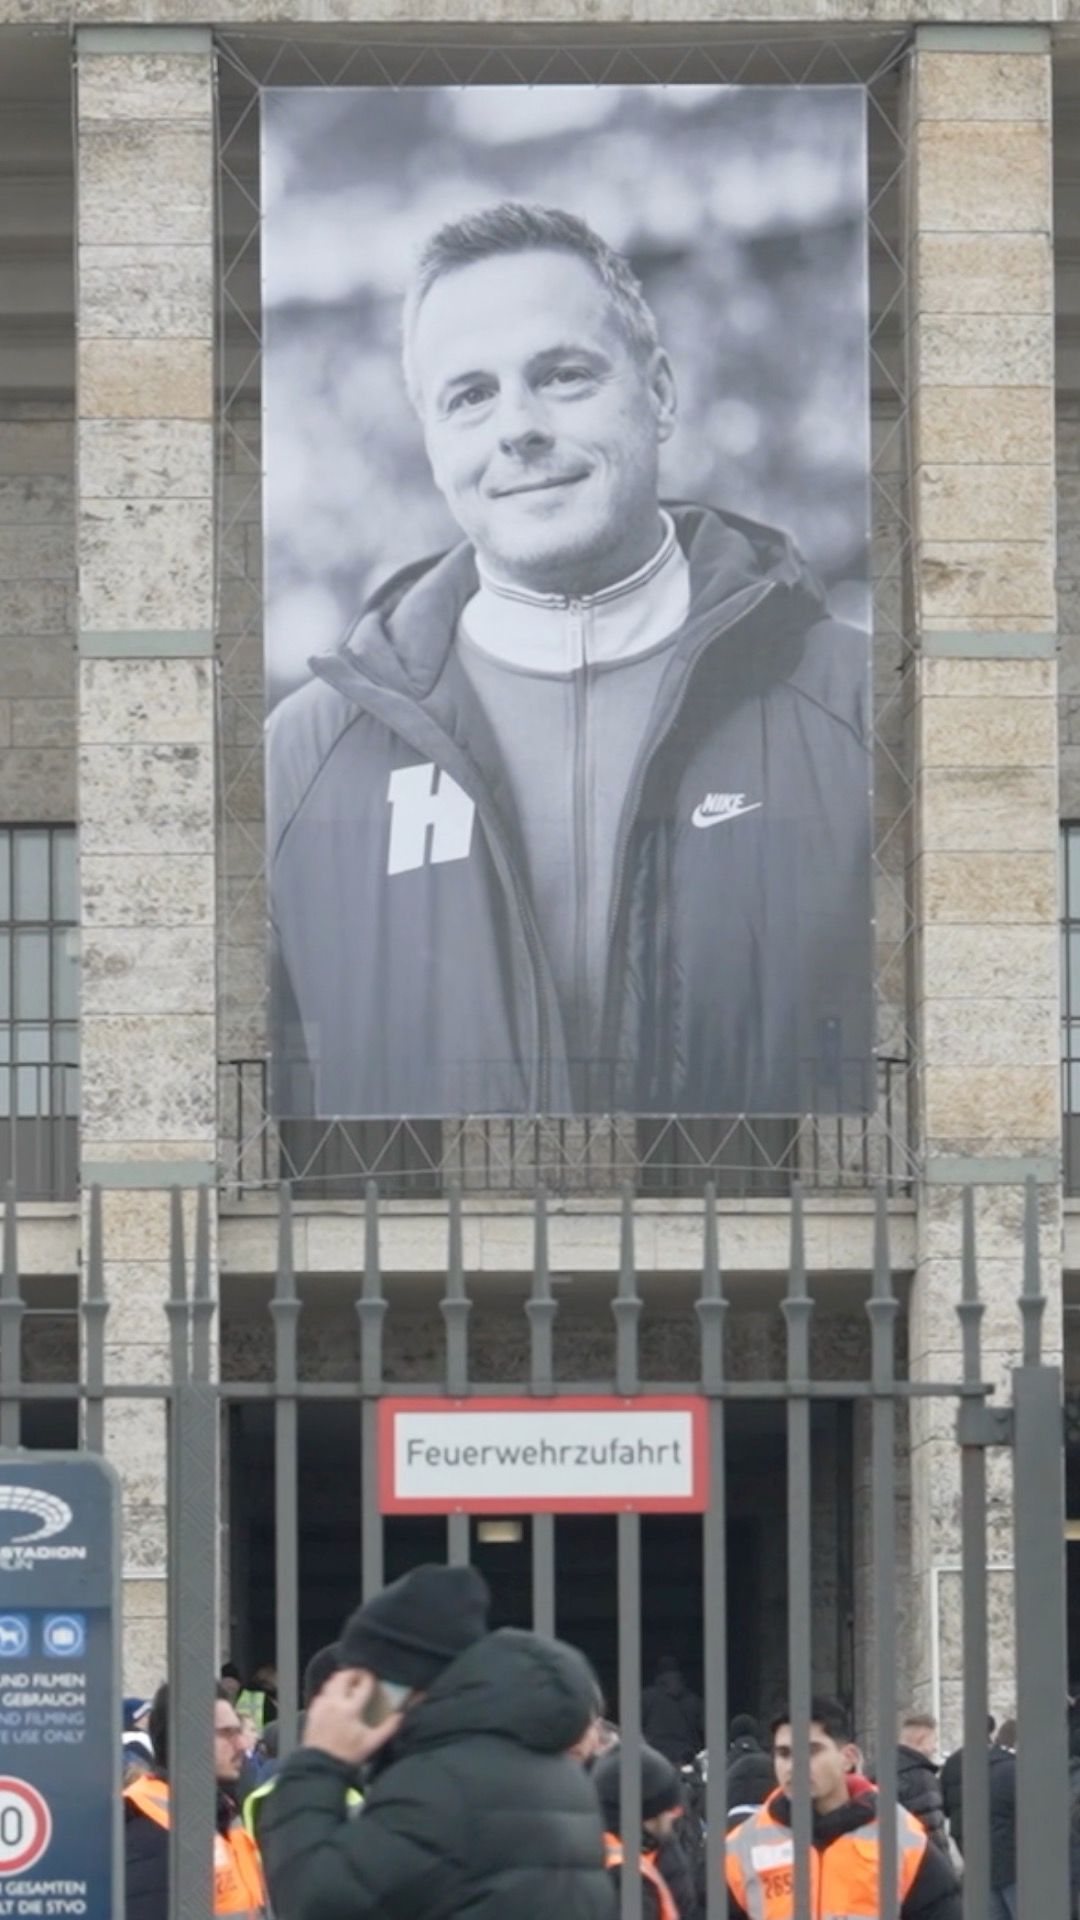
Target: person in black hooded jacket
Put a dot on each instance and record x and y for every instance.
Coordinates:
(473, 1803)
(577, 817)
(918, 1782)
(751, 1776)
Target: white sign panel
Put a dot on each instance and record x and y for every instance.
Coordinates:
(570, 1455)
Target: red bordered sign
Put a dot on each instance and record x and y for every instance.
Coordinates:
(25, 1825)
(574, 1454)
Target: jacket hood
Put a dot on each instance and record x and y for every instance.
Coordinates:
(515, 1685)
(402, 638)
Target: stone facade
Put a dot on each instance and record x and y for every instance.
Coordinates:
(147, 713)
(151, 740)
(984, 727)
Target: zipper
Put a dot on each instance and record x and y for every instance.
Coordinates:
(634, 794)
(575, 614)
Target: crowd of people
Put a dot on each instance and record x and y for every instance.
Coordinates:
(446, 1768)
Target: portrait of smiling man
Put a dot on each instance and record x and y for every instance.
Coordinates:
(577, 818)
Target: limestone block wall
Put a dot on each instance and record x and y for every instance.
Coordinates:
(147, 712)
(37, 612)
(985, 730)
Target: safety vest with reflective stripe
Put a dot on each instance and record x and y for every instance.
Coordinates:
(614, 1857)
(254, 1805)
(238, 1881)
(843, 1875)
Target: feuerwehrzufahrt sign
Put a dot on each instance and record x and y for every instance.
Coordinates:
(566, 1455)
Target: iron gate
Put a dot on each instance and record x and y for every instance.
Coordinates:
(195, 1400)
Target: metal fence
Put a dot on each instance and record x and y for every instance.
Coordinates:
(666, 1156)
(1031, 1425)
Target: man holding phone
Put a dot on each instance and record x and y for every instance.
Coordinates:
(473, 1804)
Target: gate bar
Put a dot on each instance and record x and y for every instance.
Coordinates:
(711, 1312)
(882, 1310)
(973, 1554)
(455, 1309)
(626, 1311)
(541, 1310)
(1042, 1769)
(285, 1312)
(797, 1309)
(371, 1312)
(192, 1596)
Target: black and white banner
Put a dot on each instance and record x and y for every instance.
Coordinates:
(566, 455)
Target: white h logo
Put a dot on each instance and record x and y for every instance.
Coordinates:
(422, 797)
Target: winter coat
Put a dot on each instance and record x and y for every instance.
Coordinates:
(918, 1788)
(475, 1810)
(1002, 1810)
(672, 1719)
(739, 943)
(751, 1776)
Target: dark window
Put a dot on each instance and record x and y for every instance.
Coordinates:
(39, 1009)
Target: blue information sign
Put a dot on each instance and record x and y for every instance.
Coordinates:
(59, 1686)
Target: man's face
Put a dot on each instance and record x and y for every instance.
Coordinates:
(542, 425)
(228, 1742)
(923, 1739)
(829, 1764)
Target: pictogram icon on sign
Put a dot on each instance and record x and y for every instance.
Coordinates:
(25, 1825)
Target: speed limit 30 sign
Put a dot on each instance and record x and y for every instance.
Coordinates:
(25, 1825)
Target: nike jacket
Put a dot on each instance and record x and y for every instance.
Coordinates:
(410, 971)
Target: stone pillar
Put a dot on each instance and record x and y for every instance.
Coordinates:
(981, 365)
(145, 530)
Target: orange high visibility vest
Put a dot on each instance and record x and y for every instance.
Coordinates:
(238, 1881)
(614, 1857)
(843, 1877)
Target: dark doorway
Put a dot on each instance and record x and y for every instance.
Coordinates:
(586, 1555)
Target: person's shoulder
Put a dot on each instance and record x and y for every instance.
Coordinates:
(302, 734)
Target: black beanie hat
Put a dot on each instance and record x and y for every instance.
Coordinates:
(661, 1788)
(414, 1628)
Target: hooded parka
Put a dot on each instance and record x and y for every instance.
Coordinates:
(737, 972)
(476, 1812)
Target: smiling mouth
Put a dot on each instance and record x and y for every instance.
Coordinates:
(539, 486)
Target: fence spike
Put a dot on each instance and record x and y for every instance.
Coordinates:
(540, 1306)
(11, 1315)
(95, 1308)
(176, 1307)
(285, 1303)
(202, 1302)
(626, 1306)
(1032, 1299)
(371, 1307)
(456, 1307)
(712, 1306)
(970, 1308)
(797, 1305)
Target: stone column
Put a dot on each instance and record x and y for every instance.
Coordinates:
(145, 527)
(981, 364)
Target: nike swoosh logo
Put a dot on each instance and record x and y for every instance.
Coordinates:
(700, 818)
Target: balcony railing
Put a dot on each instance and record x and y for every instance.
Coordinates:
(665, 1158)
(39, 1130)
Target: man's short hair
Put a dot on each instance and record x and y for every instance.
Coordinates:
(158, 1721)
(919, 1722)
(514, 227)
(827, 1714)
